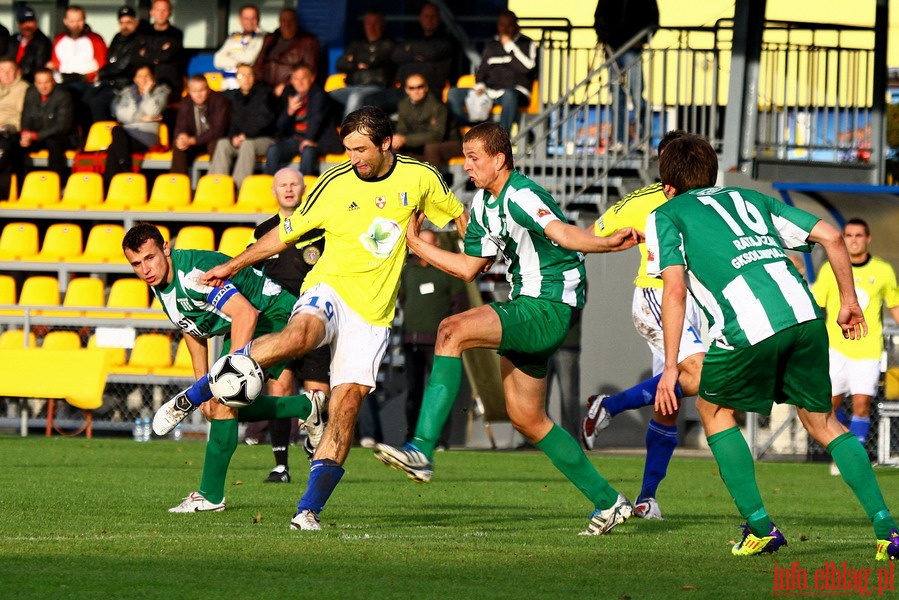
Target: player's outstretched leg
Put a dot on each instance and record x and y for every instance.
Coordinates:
(601, 408)
(171, 413)
(661, 440)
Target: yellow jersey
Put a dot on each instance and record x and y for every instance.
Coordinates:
(875, 285)
(365, 230)
(632, 211)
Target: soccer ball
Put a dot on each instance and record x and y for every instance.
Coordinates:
(236, 380)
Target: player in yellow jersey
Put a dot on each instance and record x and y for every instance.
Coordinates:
(661, 434)
(855, 367)
(349, 296)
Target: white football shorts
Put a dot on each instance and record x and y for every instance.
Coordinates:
(646, 310)
(850, 376)
(357, 346)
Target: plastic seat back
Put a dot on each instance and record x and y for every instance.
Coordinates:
(40, 188)
(104, 244)
(12, 339)
(18, 241)
(83, 190)
(61, 340)
(83, 293)
(39, 290)
(235, 240)
(170, 191)
(214, 192)
(195, 237)
(256, 195)
(62, 242)
(126, 191)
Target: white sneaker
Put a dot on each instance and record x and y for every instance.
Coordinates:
(648, 508)
(598, 418)
(195, 502)
(602, 521)
(171, 413)
(306, 520)
(315, 422)
(368, 442)
(408, 458)
(834, 469)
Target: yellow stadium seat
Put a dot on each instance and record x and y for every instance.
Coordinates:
(18, 241)
(127, 293)
(83, 293)
(195, 237)
(170, 192)
(104, 245)
(83, 191)
(8, 295)
(62, 241)
(256, 195)
(40, 189)
(39, 290)
(182, 366)
(15, 338)
(215, 80)
(309, 181)
(13, 190)
(99, 136)
(117, 356)
(214, 193)
(127, 191)
(335, 82)
(151, 351)
(62, 340)
(234, 240)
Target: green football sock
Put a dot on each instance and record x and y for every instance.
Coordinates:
(266, 408)
(221, 445)
(566, 455)
(852, 460)
(738, 472)
(440, 395)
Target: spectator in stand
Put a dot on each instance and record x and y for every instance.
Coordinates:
(161, 47)
(138, 108)
(367, 64)
(5, 40)
(30, 48)
(505, 77)
(118, 71)
(47, 119)
(288, 47)
(432, 55)
(252, 130)
(203, 118)
(423, 130)
(12, 98)
(306, 125)
(242, 47)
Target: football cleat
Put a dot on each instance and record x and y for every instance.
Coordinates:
(308, 448)
(306, 520)
(171, 413)
(278, 475)
(603, 520)
(751, 544)
(316, 421)
(598, 418)
(648, 508)
(195, 502)
(408, 458)
(888, 549)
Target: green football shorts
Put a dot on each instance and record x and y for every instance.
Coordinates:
(532, 330)
(789, 367)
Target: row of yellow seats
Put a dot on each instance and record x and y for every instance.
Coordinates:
(128, 191)
(151, 355)
(62, 242)
(82, 295)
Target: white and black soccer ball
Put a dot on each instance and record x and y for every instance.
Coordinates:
(236, 380)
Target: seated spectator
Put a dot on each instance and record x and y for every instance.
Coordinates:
(12, 98)
(203, 119)
(252, 128)
(423, 130)
(138, 109)
(78, 53)
(505, 76)
(161, 47)
(306, 126)
(288, 47)
(242, 47)
(47, 119)
(30, 47)
(366, 63)
(118, 71)
(5, 40)
(431, 54)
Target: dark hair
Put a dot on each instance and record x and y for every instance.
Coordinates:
(310, 68)
(688, 163)
(198, 77)
(369, 121)
(139, 235)
(77, 7)
(861, 223)
(43, 71)
(493, 138)
(670, 137)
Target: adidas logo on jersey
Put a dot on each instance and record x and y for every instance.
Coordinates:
(353, 206)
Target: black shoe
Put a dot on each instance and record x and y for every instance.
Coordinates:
(277, 476)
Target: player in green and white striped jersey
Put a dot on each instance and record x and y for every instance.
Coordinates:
(512, 215)
(726, 245)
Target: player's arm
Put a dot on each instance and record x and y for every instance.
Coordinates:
(462, 223)
(199, 354)
(851, 319)
(266, 246)
(456, 264)
(674, 308)
(575, 238)
(243, 320)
